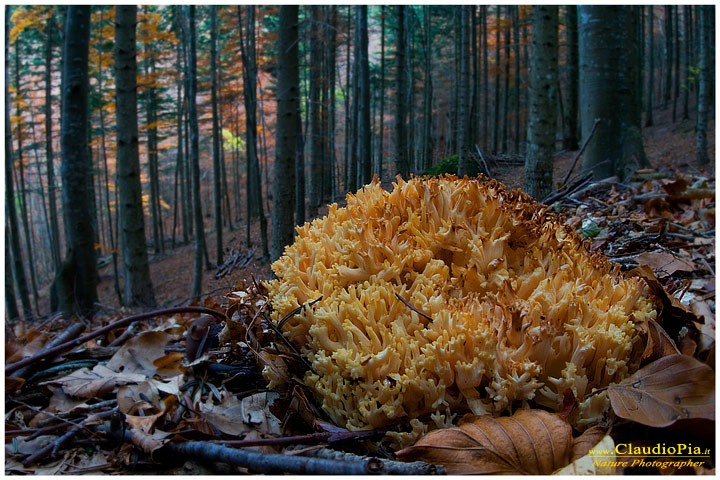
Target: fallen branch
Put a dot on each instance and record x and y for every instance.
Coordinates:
(407, 304)
(277, 463)
(73, 332)
(57, 350)
(310, 439)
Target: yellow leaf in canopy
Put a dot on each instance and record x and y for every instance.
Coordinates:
(531, 442)
(669, 389)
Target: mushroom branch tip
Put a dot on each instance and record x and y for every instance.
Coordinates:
(449, 294)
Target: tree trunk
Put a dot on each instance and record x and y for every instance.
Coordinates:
(676, 46)
(543, 102)
(286, 130)
(704, 105)
(347, 157)
(688, 63)
(138, 287)
(330, 56)
(50, 166)
(217, 184)
(77, 200)
(381, 120)
(363, 99)
(608, 84)
(152, 150)
(496, 102)
(23, 190)
(668, 55)
(651, 68)
(185, 209)
(402, 164)
(486, 84)
(316, 140)
(573, 94)
(247, 51)
(11, 308)
(465, 161)
(427, 144)
(506, 88)
(410, 100)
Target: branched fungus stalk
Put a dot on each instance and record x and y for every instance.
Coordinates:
(519, 309)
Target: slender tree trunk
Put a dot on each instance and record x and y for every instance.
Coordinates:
(138, 287)
(651, 68)
(410, 101)
(676, 46)
(299, 169)
(11, 308)
(506, 88)
(571, 131)
(286, 130)
(200, 246)
(152, 150)
(427, 145)
(103, 149)
(348, 118)
(486, 84)
(688, 63)
(316, 140)
(364, 153)
(77, 200)
(50, 166)
(543, 102)
(255, 206)
(23, 190)
(465, 161)
(331, 46)
(402, 164)
(181, 146)
(496, 116)
(381, 121)
(703, 105)
(217, 177)
(668, 55)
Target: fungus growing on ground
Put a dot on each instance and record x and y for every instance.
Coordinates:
(449, 294)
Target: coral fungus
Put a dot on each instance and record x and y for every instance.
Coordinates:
(508, 305)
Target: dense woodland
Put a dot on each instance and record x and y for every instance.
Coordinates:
(130, 131)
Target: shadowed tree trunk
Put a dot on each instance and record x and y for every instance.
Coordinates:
(427, 143)
(402, 163)
(363, 99)
(465, 160)
(11, 308)
(286, 130)
(138, 287)
(688, 62)
(704, 100)
(52, 202)
(651, 68)
(668, 55)
(316, 140)
(77, 201)
(217, 184)
(573, 94)
(608, 47)
(543, 102)
(381, 121)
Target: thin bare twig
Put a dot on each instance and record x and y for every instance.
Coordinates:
(580, 152)
(101, 331)
(309, 439)
(73, 332)
(424, 315)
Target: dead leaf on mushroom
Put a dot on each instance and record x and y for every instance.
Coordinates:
(673, 387)
(531, 442)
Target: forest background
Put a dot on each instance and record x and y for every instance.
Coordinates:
(139, 137)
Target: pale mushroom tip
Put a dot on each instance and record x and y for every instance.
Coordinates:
(450, 294)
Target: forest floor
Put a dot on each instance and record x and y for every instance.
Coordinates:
(66, 418)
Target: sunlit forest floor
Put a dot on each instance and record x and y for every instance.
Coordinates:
(669, 147)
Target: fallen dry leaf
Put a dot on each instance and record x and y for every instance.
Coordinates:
(139, 354)
(97, 382)
(597, 462)
(585, 442)
(659, 344)
(673, 387)
(233, 416)
(665, 264)
(531, 442)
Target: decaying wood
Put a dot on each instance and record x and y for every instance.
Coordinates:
(73, 332)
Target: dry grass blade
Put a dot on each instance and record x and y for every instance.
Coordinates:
(671, 388)
(531, 442)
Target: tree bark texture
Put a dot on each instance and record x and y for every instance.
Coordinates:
(286, 130)
(543, 102)
(364, 153)
(704, 105)
(77, 201)
(402, 163)
(573, 93)
(465, 159)
(608, 90)
(138, 287)
(217, 177)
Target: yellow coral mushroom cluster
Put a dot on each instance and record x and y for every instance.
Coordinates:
(508, 305)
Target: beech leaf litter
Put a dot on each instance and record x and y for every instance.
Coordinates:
(138, 400)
